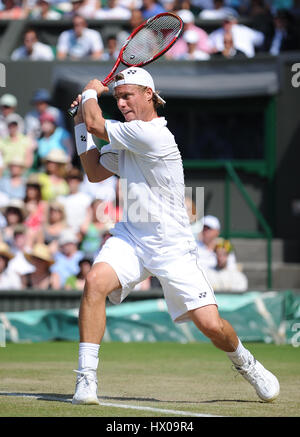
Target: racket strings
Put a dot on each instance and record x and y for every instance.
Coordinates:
(151, 40)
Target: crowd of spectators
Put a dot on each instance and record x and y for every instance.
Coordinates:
(273, 27)
(52, 219)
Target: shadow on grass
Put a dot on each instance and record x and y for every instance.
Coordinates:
(58, 397)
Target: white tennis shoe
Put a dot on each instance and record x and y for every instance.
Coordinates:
(265, 383)
(86, 388)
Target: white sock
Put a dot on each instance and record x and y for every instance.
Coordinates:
(88, 356)
(240, 356)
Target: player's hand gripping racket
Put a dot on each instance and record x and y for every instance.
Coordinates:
(146, 43)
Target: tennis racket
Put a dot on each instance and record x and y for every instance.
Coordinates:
(146, 43)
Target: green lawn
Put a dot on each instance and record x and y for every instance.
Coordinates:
(195, 378)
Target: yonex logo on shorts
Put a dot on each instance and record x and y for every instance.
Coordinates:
(83, 138)
(202, 294)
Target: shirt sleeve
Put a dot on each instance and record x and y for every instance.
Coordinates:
(109, 158)
(96, 41)
(133, 136)
(63, 42)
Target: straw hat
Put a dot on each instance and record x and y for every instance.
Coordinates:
(42, 252)
(17, 204)
(57, 155)
(5, 251)
(33, 179)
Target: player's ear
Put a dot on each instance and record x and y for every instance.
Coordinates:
(149, 94)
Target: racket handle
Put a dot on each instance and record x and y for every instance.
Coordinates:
(72, 111)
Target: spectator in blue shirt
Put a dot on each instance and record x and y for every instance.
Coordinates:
(53, 137)
(66, 259)
(151, 8)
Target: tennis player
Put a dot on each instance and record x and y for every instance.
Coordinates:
(154, 236)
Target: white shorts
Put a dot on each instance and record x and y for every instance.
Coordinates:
(184, 283)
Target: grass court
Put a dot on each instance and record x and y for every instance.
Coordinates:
(144, 380)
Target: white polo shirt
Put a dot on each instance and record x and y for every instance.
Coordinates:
(85, 45)
(150, 167)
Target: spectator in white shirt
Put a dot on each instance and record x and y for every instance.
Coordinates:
(207, 241)
(9, 280)
(43, 11)
(79, 42)
(113, 12)
(193, 53)
(219, 11)
(223, 278)
(32, 49)
(245, 39)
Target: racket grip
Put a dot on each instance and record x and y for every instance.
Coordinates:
(72, 111)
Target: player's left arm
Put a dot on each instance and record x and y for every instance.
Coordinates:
(92, 114)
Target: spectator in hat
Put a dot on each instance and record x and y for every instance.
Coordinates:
(66, 259)
(8, 106)
(14, 214)
(16, 143)
(41, 259)
(75, 202)
(32, 49)
(53, 137)
(13, 184)
(222, 277)
(191, 39)
(9, 280)
(207, 240)
(245, 39)
(19, 263)
(41, 100)
(180, 48)
(76, 282)
(52, 180)
(12, 11)
(43, 11)
(80, 41)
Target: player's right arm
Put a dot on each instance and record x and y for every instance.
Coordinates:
(87, 150)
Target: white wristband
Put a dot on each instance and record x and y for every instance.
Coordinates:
(89, 94)
(84, 140)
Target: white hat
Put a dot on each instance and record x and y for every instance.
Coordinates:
(186, 16)
(8, 100)
(191, 37)
(137, 76)
(211, 222)
(67, 236)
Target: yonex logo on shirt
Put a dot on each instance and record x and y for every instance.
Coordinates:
(83, 138)
(202, 294)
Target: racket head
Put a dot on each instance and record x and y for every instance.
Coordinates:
(151, 39)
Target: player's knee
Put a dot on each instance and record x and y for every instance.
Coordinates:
(95, 287)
